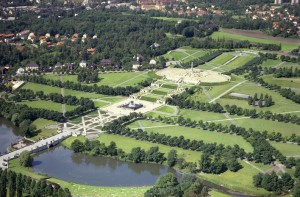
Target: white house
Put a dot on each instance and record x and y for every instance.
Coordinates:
(152, 62)
(20, 71)
(82, 64)
(135, 65)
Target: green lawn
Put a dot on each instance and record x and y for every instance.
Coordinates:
(285, 46)
(166, 109)
(222, 59)
(121, 79)
(127, 144)
(185, 54)
(240, 181)
(41, 104)
(215, 193)
(261, 125)
(202, 115)
(240, 61)
(49, 89)
(279, 64)
(40, 124)
(283, 82)
(79, 189)
(286, 149)
(281, 104)
(195, 134)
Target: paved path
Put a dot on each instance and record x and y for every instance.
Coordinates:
(231, 60)
(129, 80)
(34, 146)
(141, 125)
(253, 166)
(278, 64)
(213, 100)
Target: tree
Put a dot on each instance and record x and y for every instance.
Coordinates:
(77, 146)
(166, 185)
(26, 159)
(297, 171)
(172, 158)
(137, 155)
(26, 128)
(296, 192)
(233, 165)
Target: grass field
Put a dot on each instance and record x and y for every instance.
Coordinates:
(287, 149)
(285, 46)
(215, 193)
(202, 115)
(225, 57)
(167, 109)
(261, 125)
(40, 124)
(127, 144)
(283, 82)
(49, 89)
(279, 64)
(78, 189)
(281, 104)
(240, 61)
(47, 105)
(121, 79)
(240, 181)
(194, 134)
(185, 54)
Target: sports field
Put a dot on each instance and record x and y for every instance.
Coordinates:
(47, 105)
(193, 134)
(121, 79)
(286, 46)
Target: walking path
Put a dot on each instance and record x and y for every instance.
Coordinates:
(213, 100)
(231, 60)
(141, 125)
(253, 166)
(129, 80)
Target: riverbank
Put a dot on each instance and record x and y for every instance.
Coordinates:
(80, 189)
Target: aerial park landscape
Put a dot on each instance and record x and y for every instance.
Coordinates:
(149, 98)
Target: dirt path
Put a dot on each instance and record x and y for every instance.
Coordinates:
(259, 34)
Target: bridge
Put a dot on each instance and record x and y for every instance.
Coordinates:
(36, 147)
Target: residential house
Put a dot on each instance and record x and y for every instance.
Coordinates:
(32, 66)
(23, 34)
(106, 62)
(20, 71)
(136, 65)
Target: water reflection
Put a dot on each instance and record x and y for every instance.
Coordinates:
(9, 134)
(63, 164)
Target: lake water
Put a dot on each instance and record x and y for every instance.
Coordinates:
(63, 164)
(9, 134)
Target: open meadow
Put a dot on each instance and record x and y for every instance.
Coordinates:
(118, 79)
(41, 104)
(185, 54)
(192, 134)
(238, 35)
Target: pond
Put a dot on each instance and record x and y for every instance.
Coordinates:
(9, 134)
(62, 163)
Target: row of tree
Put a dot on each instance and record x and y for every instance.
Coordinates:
(183, 101)
(263, 151)
(262, 101)
(287, 72)
(16, 184)
(271, 182)
(27, 94)
(107, 90)
(88, 76)
(206, 58)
